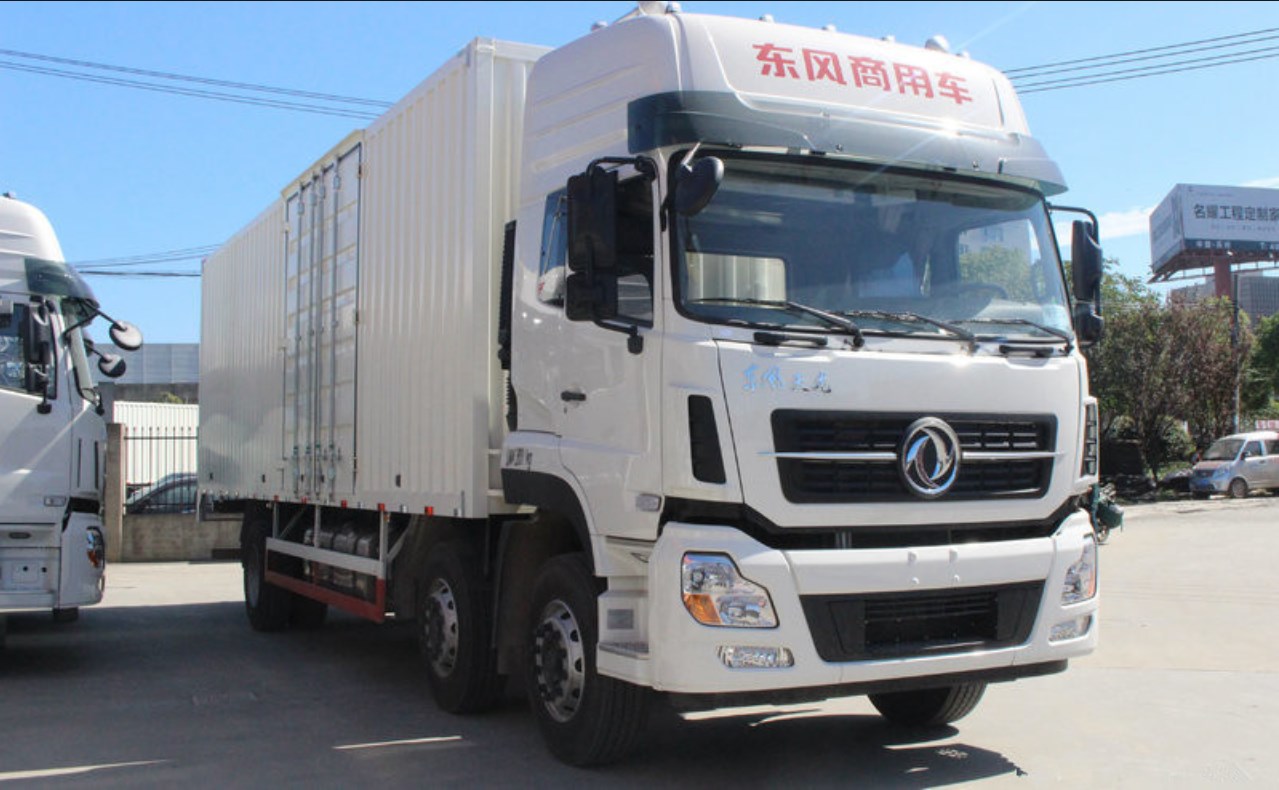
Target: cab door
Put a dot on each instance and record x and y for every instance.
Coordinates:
(599, 379)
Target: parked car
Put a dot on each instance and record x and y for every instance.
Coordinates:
(174, 493)
(1237, 464)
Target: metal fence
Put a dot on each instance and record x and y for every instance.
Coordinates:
(155, 452)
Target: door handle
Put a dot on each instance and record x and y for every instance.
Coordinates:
(572, 396)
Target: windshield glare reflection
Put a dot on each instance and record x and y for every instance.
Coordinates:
(886, 249)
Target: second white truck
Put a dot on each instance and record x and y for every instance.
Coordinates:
(716, 358)
(53, 437)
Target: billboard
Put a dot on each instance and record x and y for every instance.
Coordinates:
(1195, 222)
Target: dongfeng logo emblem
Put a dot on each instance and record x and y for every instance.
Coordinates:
(928, 458)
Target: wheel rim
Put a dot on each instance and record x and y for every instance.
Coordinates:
(559, 661)
(439, 628)
(1238, 489)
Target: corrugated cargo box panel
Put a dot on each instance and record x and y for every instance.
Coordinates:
(242, 330)
(438, 179)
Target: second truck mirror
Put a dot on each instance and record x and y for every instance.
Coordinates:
(1086, 274)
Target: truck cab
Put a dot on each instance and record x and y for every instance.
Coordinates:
(52, 550)
(799, 344)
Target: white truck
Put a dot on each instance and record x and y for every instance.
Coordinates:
(53, 437)
(701, 356)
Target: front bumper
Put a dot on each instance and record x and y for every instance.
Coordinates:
(51, 567)
(684, 656)
(1209, 485)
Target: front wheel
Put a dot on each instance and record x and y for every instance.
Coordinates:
(1238, 488)
(586, 718)
(929, 707)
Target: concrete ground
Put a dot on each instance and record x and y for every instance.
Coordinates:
(164, 685)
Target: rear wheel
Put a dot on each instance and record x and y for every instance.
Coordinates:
(267, 606)
(929, 707)
(455, 626)
(1238, 488)
(585, 718)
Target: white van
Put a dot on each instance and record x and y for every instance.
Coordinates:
(1237, 464)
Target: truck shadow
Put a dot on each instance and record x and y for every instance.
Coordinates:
(180, 684)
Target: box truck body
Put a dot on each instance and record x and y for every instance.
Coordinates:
(589, 362)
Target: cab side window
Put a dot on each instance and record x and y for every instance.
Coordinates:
(13, 363)
(552, 266)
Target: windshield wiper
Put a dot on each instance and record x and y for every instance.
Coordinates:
(916, 318)
(1048, 330)
(835, 320)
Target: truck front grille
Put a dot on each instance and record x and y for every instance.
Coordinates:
(898, 625)
(806, 440)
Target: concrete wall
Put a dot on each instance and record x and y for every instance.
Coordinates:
(177, 538)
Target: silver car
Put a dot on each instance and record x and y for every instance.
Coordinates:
(1237, 464)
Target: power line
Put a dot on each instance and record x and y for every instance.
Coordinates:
(166, 75)
(1037, 79)
(168, 256)
(194, 92)
(1056, 67)
(1148, 71)
(140, 274)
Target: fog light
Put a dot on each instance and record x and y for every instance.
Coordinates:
(738, 657)
(716, 594)
(1071, 629)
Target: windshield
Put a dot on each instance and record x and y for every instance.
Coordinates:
(898, 253)
(1223, 450)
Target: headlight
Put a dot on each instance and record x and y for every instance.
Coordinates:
(96, 547)
(1221, 471)
(716, 594)
(1081, 578)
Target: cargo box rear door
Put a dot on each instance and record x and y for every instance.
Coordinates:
(322, 213)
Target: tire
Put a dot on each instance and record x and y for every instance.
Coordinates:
(1238, 488)
(455, 632)
(929, 707)
(267, 606)
(585, 718)
(68, 615)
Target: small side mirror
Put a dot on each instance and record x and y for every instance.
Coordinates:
(111, 366)
(696, 185)
(126, 336)
(1085, 262)
(1086, 274)
(39, 337)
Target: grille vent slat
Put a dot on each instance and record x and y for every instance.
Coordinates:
(833, 481)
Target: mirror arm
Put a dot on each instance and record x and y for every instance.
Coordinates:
(634, 340)
(643, 164)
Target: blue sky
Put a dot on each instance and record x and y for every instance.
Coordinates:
(124, 172)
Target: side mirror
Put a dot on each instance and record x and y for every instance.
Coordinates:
(1086, 274)
(39, 337)
(696, 185)
(126, 335)
(111, 366)
(590, 292)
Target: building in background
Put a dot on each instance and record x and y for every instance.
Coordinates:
(157, 372)
(1258, 294)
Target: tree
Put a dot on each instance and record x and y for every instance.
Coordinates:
(1265, 354)
(1160, 364)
